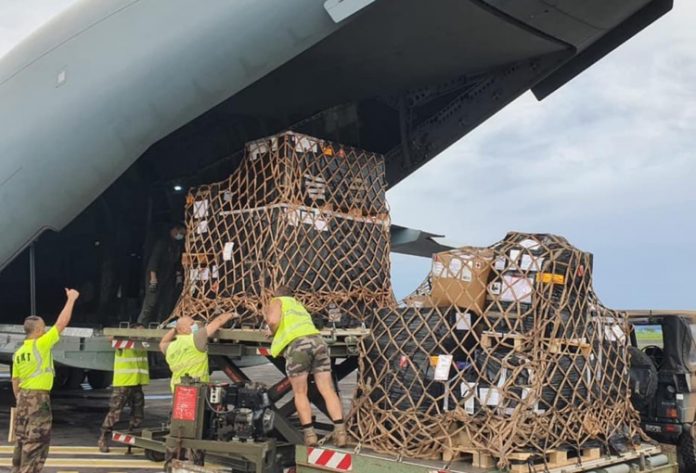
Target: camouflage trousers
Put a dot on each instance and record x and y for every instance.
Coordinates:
(33, 431)
(120, 397)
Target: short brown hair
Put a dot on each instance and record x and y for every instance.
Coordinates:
(282, 291)
(31, 323)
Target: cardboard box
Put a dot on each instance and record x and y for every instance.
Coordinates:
(417, 301)
(460, 278)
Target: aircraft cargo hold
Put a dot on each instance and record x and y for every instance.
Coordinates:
(522, 365)
(301, 212)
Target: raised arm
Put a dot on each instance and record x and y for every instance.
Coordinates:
(218, 322)
(166, 340)
(272, 315)
(66, 314)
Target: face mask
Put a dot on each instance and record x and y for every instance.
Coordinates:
(194, 328)
(179, 236)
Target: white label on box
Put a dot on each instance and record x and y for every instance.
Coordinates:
(215, 272)
(525, 393)
(200, 208)
(494, 288)
(614, 333)
(466, 388)
(489, 396)
(193, 274)
(321, 224)
(455, 266)
(530, 244)
(468, 391)
(509, 411)
(438, 269)
(532, 263)
(500, 263)
(470, 404)
(537, 409)
(204, 274)
(463, 321)
(316, 187)
(680, 397)
(461, 270)
(514, 255)
(227, 196)
(227, 251)
(517, 289)
(503, 377)
(202, 227)
(304, 144)
(442, 369)
(258, 149)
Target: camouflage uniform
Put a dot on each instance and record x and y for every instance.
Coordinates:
(197, 457)
(307, 355)
(33, 431)
(121, 396)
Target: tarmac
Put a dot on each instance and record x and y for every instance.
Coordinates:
(78, 414)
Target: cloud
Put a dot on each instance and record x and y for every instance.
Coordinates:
(606, 161)
(20, 18)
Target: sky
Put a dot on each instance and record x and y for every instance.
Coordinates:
(606, 161)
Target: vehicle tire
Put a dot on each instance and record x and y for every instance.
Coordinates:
(154, 456)
(99, 379)
(686, 452)
(643, 378)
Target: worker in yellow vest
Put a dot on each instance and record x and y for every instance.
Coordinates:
(185, 347)
(131, 373)
(32, 380)
(187, 354)
(297, 339)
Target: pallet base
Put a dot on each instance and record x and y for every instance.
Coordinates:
(526, 462)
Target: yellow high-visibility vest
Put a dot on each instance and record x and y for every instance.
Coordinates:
(184, 359)
(295, 322)
(131, 368)
(32, 363)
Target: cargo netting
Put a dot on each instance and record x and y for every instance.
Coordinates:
(502, 350)
(300, 212)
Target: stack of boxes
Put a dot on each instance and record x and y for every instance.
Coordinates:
(300, 212)
(511, 350)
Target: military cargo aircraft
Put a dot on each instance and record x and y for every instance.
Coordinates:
(110, 111)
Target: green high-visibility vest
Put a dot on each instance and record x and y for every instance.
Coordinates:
(32, 363)
(185, 359)
(131, 368)
(295, 322)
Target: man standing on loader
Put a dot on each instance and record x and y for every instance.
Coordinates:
(164, 276)
(32, 380)
(131, 373)
(297, 339)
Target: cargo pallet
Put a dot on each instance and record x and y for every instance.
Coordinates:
(224, 349)
(645, 459)
(521, 342)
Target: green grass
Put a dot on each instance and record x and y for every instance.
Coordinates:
(648, 337)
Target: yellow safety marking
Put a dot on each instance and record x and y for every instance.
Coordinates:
(60, 450)
(94, 463)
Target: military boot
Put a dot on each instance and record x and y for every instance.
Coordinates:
(103, 443)
(310, 437)
(340, 435)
